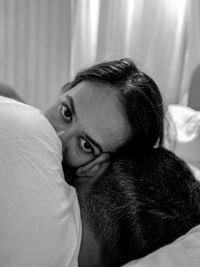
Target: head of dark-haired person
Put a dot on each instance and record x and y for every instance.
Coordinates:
(139, 96)
(139, 205)
(109, 107)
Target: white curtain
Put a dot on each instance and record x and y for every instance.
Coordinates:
(162, 37)
(192, 54)
(43, 43)
(35, 44)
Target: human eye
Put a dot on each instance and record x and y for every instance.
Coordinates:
(86, 146)
(66, 112)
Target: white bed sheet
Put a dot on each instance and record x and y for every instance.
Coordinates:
(184, 252)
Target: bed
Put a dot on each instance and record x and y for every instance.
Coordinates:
(183, 137)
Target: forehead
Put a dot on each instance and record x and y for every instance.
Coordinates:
(100, 114)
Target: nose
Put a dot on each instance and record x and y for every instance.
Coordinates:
(66, 133)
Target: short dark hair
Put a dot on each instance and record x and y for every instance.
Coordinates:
(142, 204)
(140, 98)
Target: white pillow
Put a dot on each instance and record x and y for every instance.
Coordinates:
(186, 134)
(184, 252)
(40, 222)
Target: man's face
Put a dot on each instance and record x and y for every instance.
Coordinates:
(89, 120)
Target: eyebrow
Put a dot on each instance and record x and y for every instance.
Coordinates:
(71, 102)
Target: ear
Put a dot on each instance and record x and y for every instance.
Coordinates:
(95, 168)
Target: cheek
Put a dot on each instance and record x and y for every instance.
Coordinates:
(51, 115)
(75, 159)
(54, 117)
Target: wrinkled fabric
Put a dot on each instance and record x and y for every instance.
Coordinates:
(184, 252)
(185, 130)
(40, 222)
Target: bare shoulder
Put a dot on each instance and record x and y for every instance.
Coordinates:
(8, 91)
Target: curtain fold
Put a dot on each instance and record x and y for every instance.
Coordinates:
(192, 55)
(43, 43)
(84, 35)
(35, 44)
(152, 33)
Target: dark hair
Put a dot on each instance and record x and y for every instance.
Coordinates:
(142, 204)
(139, 96)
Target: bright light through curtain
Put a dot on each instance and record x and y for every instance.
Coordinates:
(162, 37)
(43, 43)
(84, 35)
